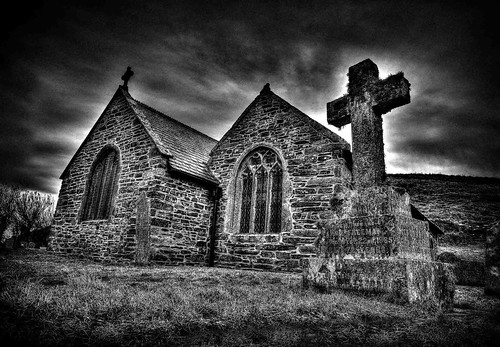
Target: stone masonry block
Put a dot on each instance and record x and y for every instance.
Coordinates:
(413, 281)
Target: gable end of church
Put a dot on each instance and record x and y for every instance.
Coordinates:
(121, 201)
(275, 152)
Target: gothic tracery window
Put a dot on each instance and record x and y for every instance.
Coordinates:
(261, 180)
(101, 186)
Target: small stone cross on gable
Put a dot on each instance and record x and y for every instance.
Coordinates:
(367, 100)
(126, 76)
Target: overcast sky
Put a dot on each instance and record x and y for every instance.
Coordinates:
(202, 63)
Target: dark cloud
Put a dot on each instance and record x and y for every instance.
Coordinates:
(448, 138)
(203, 63)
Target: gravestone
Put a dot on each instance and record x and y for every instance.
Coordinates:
(373, 243)
(142, 229)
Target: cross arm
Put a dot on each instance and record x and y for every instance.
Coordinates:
(337, 111)
(390, 93)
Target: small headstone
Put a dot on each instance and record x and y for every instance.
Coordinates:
(142, 227)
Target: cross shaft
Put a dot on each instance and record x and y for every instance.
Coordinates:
(367, 100)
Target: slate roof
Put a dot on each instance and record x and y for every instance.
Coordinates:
(188, 149)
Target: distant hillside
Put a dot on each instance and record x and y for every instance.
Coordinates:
(462, 206)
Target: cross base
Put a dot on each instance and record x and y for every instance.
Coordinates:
(375, 244)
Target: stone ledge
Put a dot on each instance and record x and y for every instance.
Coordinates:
(413, 281)
(253, 238)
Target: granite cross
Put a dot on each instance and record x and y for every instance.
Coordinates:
(367, 100)
(126, 76)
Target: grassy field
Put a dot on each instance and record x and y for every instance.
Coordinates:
(48, 300)
(463, 207)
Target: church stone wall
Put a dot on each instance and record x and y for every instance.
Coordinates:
(314, 170)
(178, 208)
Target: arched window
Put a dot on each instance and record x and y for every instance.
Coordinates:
(101, 186)
(261, 179)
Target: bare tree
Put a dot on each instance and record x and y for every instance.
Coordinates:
(33, 211)
(8, 197)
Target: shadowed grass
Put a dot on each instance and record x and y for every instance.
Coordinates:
(47, 300)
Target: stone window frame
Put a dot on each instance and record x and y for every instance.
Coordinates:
(234, 194)
(103, 153)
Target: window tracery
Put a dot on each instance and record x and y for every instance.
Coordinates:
(261, 179)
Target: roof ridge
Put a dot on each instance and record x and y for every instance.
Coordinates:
(171, 118)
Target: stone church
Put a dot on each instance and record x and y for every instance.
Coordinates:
(145, 188)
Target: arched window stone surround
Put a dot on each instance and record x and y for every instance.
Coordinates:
(236, 185)
(102, 185)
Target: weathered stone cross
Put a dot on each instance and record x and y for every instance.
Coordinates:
(126, 76)
(367, 100)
